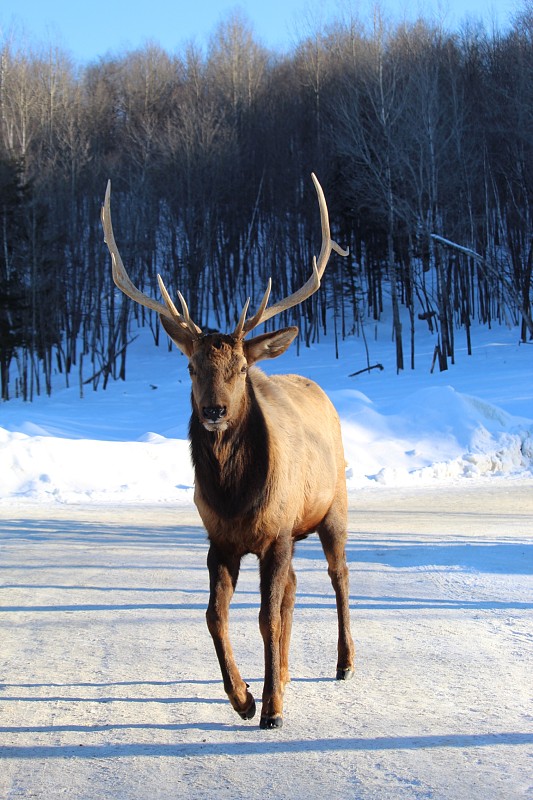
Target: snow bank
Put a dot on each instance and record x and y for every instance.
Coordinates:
(47, 468)
(436, 435)
(474, 420)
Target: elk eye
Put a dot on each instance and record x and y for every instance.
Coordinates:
(244, 370)
(192, 371)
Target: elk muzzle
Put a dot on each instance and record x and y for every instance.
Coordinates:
(214, 413)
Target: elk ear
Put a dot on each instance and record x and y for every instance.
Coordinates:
(269, 345)
(180, 336)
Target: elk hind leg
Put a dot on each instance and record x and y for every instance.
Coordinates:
(287, 608)
(333, 535)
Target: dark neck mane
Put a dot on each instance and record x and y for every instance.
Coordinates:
(231, 467)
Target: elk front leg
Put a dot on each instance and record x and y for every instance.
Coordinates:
(275, 568)
(223, 575)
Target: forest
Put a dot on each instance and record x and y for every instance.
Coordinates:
(421, 137)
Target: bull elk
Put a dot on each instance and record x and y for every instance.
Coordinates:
(269, 470)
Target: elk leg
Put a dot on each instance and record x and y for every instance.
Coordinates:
(275, 566)
(287, 608)
(223, 575)
(333, 536)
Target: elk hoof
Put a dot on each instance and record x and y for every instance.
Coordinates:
(271, 722)
(345, 673)
(250, 711)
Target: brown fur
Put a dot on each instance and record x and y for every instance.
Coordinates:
(269, 473)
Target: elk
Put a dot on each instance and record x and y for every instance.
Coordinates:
(269, 470)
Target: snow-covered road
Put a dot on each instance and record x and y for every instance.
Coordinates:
(109, 686)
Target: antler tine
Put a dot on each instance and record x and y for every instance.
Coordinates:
(183, 319)
(327, 242)
(191, 324)
(254, 321)
(124, 283)
(238, 332)
(313, 283)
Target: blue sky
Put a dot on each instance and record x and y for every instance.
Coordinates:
(93, 28)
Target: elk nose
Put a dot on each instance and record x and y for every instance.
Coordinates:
(214, 413)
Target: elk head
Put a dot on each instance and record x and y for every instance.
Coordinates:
(218, 363)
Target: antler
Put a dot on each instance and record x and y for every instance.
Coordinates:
(310, 287)
(124, 283)
(244, 326)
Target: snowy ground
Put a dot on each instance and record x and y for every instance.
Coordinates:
(109, 686)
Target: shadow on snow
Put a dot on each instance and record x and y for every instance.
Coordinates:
(266, 745)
